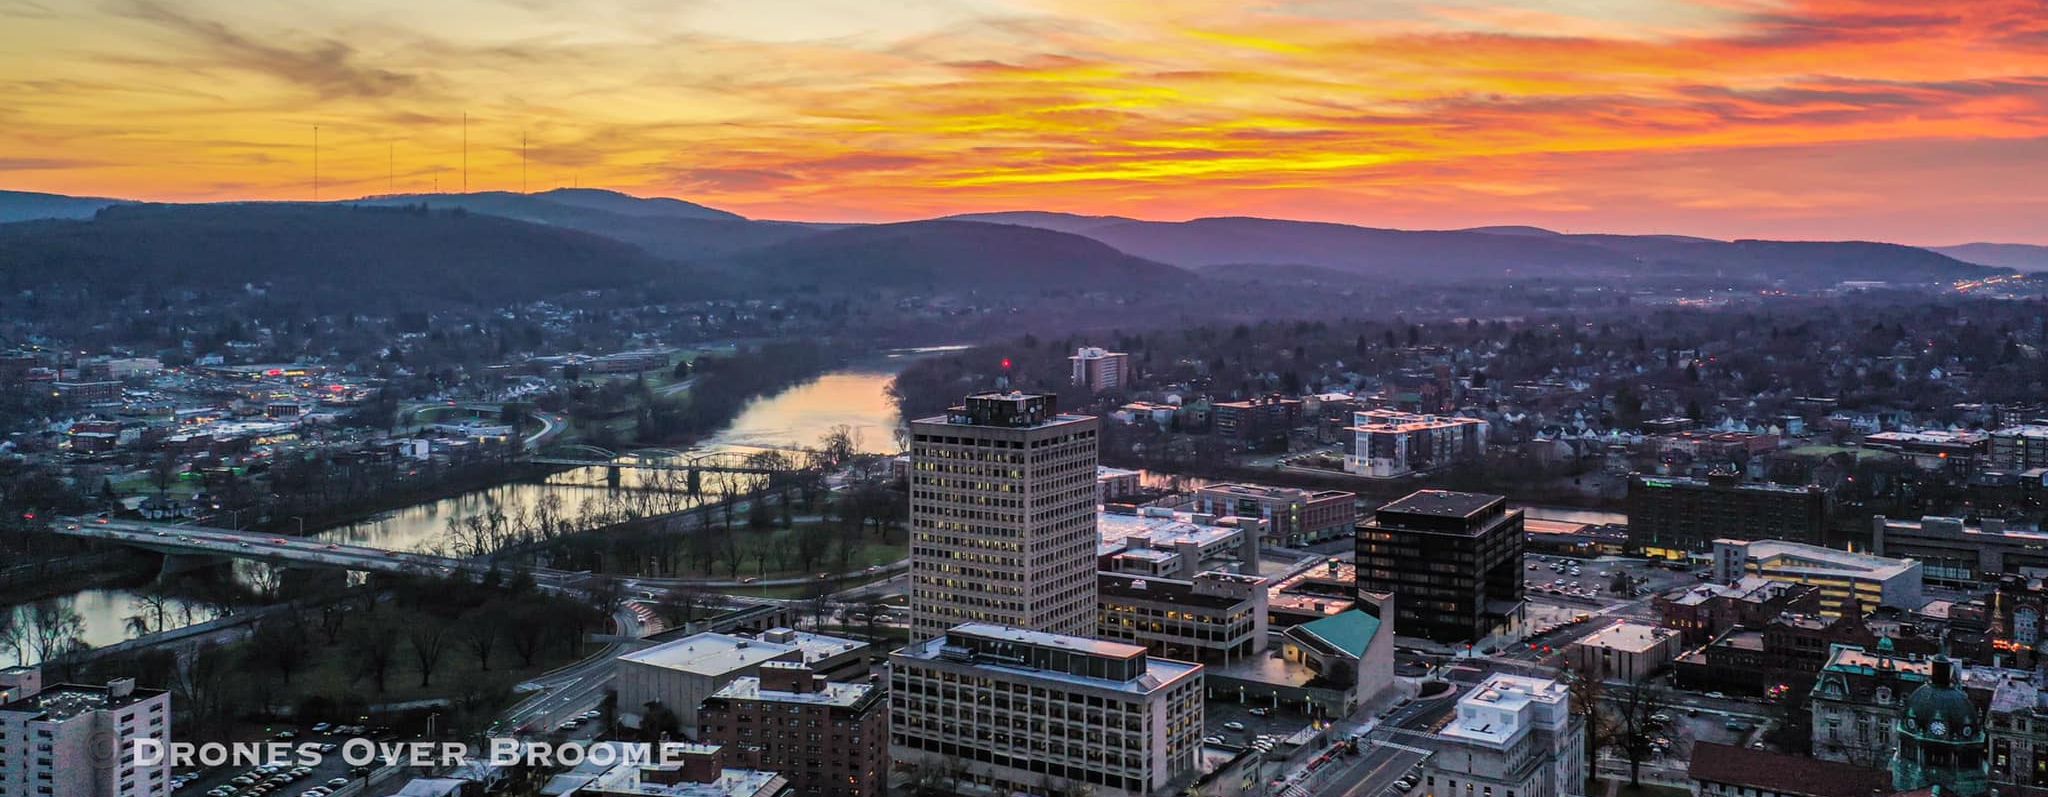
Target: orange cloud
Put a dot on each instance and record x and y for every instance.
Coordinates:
(1438, 114)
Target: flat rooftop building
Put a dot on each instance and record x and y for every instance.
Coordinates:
(1452, 561)
(75, 740)
(992, 710)
(1954, 554)
(1510, 734)
(681, 674)
(1843, 577)
(1157, 541)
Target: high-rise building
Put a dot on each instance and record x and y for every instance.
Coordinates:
(1002, 517)
(1672, 517)
(985, 709)
(1453, 562)
(826, 737)
(1101, 370)
(1512, 735)
(71, 740)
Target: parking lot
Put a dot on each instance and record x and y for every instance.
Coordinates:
(1278, 723)
(284, 780)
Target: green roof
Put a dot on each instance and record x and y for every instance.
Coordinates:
(1350, 631)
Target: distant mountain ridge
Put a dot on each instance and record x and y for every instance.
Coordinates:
(2024, 257)
(951, 255)
(333, 258)
(30, 206)
(986, 251)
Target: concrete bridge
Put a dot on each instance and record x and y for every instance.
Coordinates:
(185, 547)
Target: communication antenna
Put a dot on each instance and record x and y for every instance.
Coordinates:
(316, 163)
(391, 167)
(522, 161)
(465, 152)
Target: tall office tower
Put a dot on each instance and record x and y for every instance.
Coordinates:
(1452, 561)
(69, 740)
(1002, 517)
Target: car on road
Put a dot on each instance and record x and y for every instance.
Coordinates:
(337, 783)
(1717, 696)
(1233, 725)
(279, 541)
(1212, 740)
(322, 727)
(1261, 712)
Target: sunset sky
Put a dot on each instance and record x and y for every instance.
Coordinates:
(1917, 122)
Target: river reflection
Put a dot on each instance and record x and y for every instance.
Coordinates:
(856, 397)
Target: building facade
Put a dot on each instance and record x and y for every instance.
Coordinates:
(827, 738)
(2019, 447)
(1264, 420)
(1294, 517)
(1101, 370)
(1625, 651)
(680, 674)
(1844, 578)
(1002, 516)
(1452, 561)
(1512, 736)
(1672, 517)
(71, 740)
(1954, 554)
(1214, 617)
(1388, 444)
(1940, 738)
(988, 710)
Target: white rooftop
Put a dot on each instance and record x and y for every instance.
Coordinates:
(1629, 637)
(717, 654)
(828, 694)
(1505, 706)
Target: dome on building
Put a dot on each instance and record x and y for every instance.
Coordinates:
(1939, 709)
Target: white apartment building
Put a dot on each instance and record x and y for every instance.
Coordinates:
(71, 740)
(1387, 444)
(990, 710)
(1513, 736)
(1100, 369)
(1002, 517)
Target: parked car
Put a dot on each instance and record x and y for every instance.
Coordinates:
(1233, 725)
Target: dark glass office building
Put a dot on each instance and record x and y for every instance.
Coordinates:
(1452, 561)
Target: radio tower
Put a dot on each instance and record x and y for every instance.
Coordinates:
(465, 152)
(316, 163)
(390, 167)
(522, 161)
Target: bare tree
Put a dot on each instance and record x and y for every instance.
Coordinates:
(373, 646)
(51, 627)
(1634, 731)
(481, 630)
(526, 631)
(429, 640)
(280, 644)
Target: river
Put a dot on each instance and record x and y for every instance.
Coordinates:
(856, 397)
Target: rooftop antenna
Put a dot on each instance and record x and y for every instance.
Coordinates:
(316, 163)
(465, 152)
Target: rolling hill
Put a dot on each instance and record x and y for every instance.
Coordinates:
(667, 228)
(1524, 252)
(335, 258)
(31, 206)
(950, 256)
